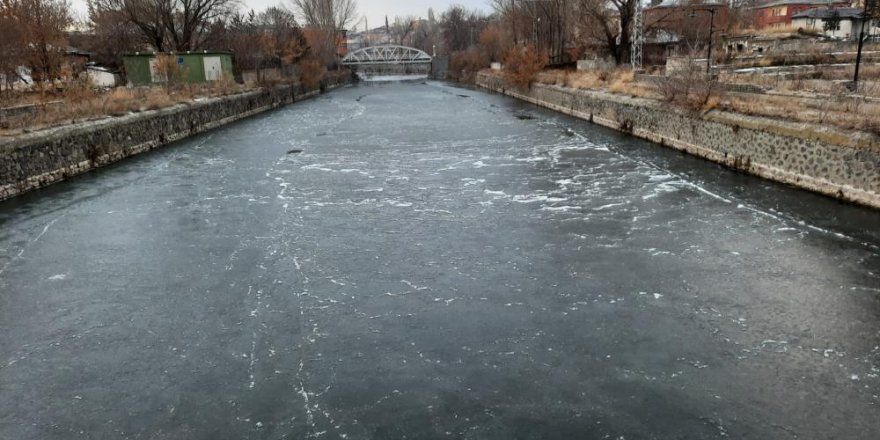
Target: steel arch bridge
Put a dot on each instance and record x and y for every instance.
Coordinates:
(387, 54)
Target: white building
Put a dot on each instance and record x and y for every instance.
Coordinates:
(848, 28)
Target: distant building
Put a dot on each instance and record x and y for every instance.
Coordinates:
(671, 25)
(776, 15)
(377, 36)
(342, 43)
(682, 16)
(848, 28)
(194, 67)
(354, 41)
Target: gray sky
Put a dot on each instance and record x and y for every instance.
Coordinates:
(373, 10)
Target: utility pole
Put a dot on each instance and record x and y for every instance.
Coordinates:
(865, 18)
(711, 12)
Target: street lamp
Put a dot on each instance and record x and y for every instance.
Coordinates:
(712, 12)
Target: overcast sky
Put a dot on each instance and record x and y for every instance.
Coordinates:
(373, 10)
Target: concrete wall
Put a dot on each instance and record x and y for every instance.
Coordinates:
(837, 163)
(440, 67)
(39, 159)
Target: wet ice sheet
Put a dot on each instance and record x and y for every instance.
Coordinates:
(436, 262)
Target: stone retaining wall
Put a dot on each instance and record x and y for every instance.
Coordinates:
(834, 162)
(41, 158)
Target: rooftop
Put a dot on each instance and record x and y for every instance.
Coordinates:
(688, 3)
(194, 52)
(771, 3)
(826, 12)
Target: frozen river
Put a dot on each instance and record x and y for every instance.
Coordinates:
(437, 263)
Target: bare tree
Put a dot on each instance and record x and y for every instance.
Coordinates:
(328, 15)
(188, 21)
(11, 41)
(109, 35)
(269, 39)
(462, 28)
(607, 24)
(171, 24)
(285, 37)
(509, 12)
(545, 24)
(495, 42)
(326, 20)
(402, 29)
(33, 36)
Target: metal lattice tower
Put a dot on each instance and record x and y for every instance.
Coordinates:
(638, 39)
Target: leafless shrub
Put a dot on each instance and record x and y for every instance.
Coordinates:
(522, 65)
(464, 64)
(690, 87)
(312, 71)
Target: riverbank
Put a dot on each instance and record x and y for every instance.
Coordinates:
(38, 159)
(830, 161)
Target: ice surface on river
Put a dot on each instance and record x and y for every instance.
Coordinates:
(436, 263)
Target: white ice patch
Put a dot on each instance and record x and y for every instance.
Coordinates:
(392, 78)
(353, 170)
(534, 159)
(532, 198)
(662, 188)
(317, 166)
(655, 295)
(560, 208)
(468, 181)
(706, 191)
(660, 177)
(608, 206)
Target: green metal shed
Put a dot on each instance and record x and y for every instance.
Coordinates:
(195, 67)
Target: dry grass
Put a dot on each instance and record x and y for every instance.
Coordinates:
(823, 81)
(619, 80)
(554, 77)
(816, 97)
(622, 82)
(586, 80)
(77, 101)
(815, 101)
(80, 102)
(841, 112)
